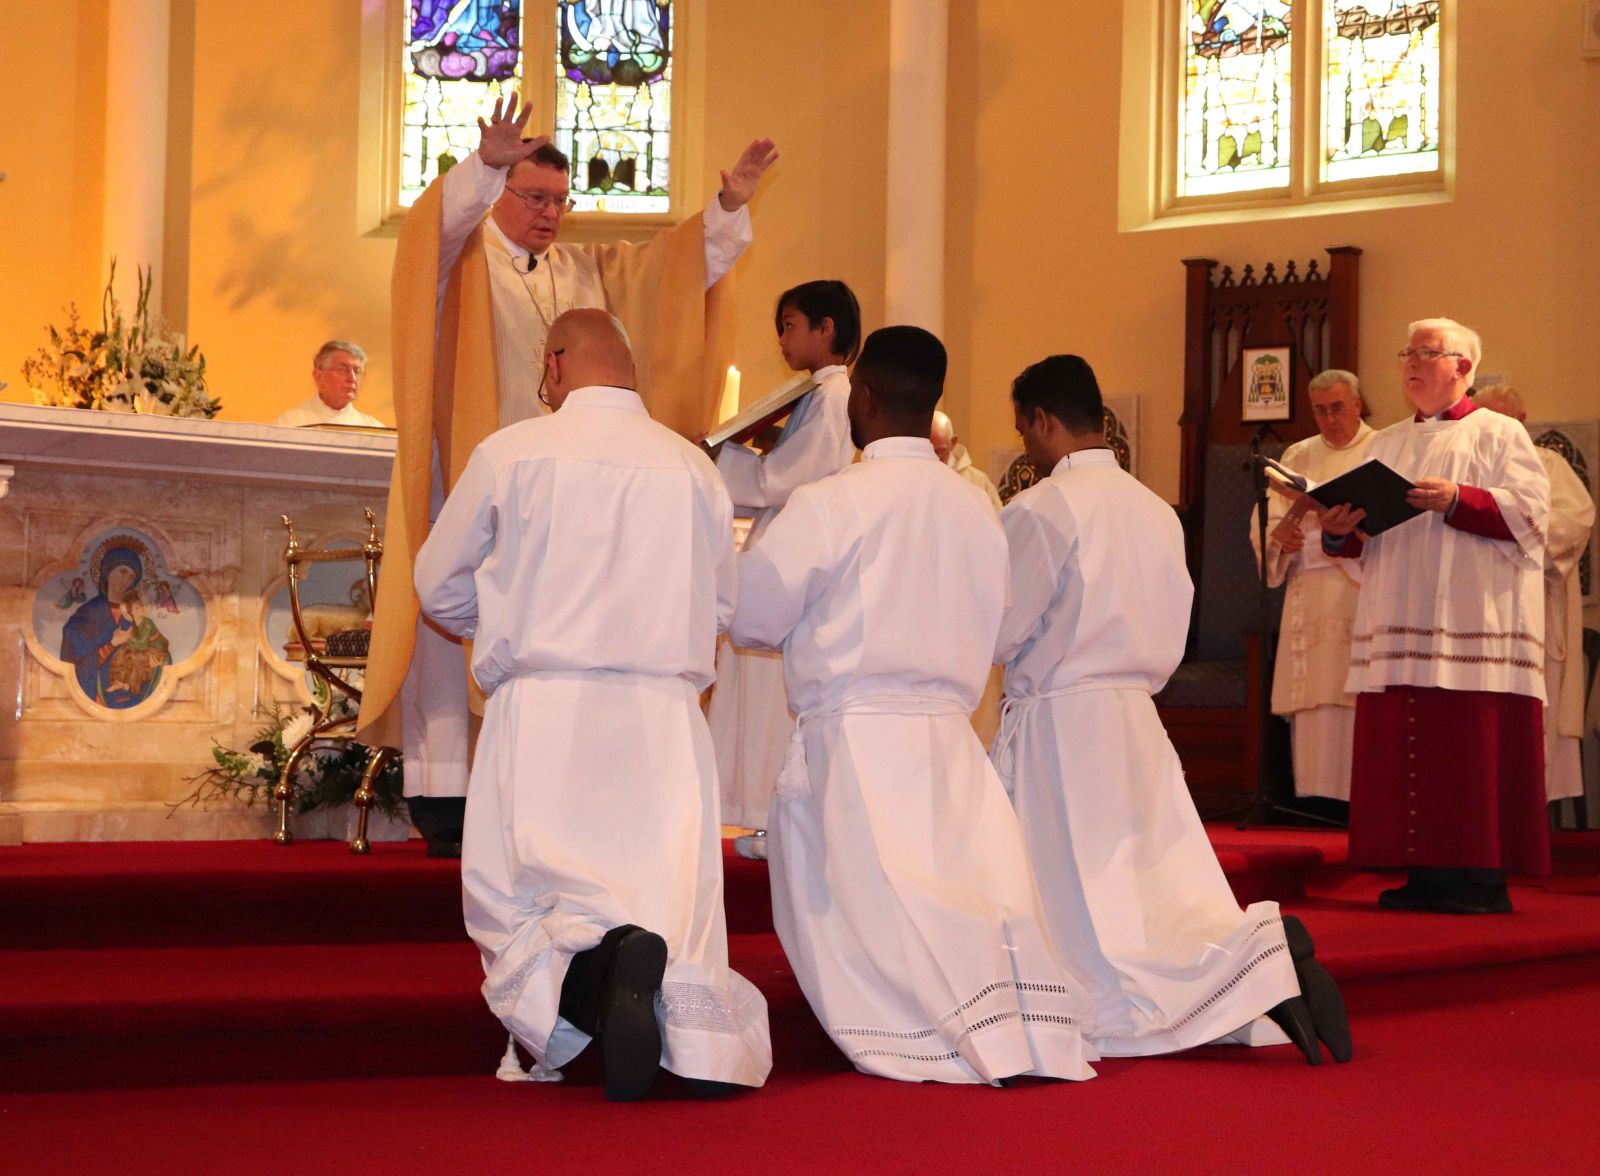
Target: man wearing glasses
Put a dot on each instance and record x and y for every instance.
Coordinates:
(1447, 657)
(336, 371)
(1320, 605)
(479, 277)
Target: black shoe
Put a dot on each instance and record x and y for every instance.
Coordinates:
(1321, 993)
(1423, 888)
(1476, 892)
(444, 849)
(630, 1039)
(1293, 1016)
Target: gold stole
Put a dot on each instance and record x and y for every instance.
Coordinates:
(682, 335)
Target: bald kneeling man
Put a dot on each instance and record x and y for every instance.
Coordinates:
(589, 556)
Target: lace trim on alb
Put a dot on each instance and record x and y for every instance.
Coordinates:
(704, 1008)
(1239, 977)
(986, 1022)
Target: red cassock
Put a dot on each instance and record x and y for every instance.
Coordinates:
(1449, 778)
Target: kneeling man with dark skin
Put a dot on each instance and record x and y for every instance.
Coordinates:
(589, 556)
(1132, 890)
(900, 885)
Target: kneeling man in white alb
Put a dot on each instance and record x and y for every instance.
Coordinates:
(1135, 896)
(589, 555)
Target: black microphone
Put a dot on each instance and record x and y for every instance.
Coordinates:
(533, 263)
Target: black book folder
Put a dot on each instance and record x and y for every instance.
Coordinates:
(1376, 489)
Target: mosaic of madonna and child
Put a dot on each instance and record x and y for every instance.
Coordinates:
(139, 620)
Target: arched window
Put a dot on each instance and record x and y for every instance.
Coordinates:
(1284, 104)
(599, 73)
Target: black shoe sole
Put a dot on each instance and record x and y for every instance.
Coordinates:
(1293, 1016)
(630, 1038)
(1320, 990)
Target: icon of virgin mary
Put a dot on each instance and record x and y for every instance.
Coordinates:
(106, 626)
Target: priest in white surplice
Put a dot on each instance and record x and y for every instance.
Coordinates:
(1447, 657)
(819, 333)
(900, 885)
(1320, 606)
(1098, 618)
(589, 555)
(1571, 523)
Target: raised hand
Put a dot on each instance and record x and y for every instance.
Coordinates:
(500, 141)
(740, 184)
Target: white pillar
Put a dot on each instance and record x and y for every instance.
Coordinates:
(134, 214)
(914, 267)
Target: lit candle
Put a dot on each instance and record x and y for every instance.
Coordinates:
(728, 407)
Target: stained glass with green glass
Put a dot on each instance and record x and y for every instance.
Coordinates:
(1381, 87)
(1234, 132)
(614, 102)
(461, 57)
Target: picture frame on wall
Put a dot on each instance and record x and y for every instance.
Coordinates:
(1268, 384)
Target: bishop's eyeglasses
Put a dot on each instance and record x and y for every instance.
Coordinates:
(539, 201)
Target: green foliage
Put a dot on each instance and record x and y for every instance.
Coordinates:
(326, 776)
(125, 366)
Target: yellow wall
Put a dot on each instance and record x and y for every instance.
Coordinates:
(52, 147)
(1037, 264)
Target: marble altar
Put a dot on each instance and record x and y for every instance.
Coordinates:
(142, 607)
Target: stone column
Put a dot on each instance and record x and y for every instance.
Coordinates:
(914, 266)
(134, 216)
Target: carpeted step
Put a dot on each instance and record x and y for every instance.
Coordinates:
(220, 893)
(140, 1017)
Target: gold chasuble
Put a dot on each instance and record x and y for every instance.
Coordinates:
(682, 336)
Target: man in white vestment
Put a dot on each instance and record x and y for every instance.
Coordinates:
(1319, 607)
(900, 884)
(485, 237)
(589, 555)
(336, 370)
(949, 449)
(1447, 657)
(1571, 524)
(1099, 614)
(819, 333)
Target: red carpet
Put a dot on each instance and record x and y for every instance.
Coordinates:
(242, 964)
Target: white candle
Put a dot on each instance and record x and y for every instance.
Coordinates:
(728, 406)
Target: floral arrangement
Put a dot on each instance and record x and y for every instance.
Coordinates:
(328, 775)
(125, 366)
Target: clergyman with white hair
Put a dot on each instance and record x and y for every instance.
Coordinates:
(1447, 657)
(1571, 518)
(1319, 607)
(337, 371)
(948, 448)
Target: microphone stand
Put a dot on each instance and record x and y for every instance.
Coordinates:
(1263, 801)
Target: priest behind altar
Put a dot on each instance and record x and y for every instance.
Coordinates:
(479, 277)
(1320, 605)
(1132, 889)
(900, 886)
(1447, 658)
(589, 555)
(336, 370)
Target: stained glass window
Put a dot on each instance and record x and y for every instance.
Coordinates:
(1381, 87)
(461, 56)
(613, 111)
(1237, 96)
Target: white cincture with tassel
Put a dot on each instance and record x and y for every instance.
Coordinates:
(511, 1068)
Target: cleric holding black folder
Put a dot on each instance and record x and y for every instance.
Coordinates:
(1446, 657)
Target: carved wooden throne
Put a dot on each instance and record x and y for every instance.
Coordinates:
(1210, 707)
